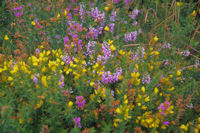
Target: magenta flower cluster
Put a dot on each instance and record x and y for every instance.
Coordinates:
(77, 121)
(80, 101)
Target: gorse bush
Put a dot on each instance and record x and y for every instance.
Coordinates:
(80, 66)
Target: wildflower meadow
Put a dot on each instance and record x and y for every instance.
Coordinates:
(99, 66)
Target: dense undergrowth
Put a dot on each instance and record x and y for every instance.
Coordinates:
(99, 66)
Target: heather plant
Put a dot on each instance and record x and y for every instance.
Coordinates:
(100, 66)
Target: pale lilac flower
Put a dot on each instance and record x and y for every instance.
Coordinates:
(111, 27)
(113, 16)
(146, 79)
(134, 23)
(90, 48)
(131, 36)
(185, 53)
(106, 77)
(134, 14)
(93, 33)
(61, 82)
(67, 59)
(37, 50)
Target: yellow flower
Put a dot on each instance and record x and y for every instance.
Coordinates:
(199, 119)
(44, 81)
(194, 13)
(196, 131)
(106, 28)
(33, 23)
(143, 89)
(118, 111)
(139, 104)
(70, 103)
(155, 90)
(179, 3)
(58, 16)
(178, 73)
(20, 120)
(65, 13)
(171, 89)
(155, 38)
(6, 37)
(185, 128)
(91, 83)
(110, 41)
(106, 8)
(121, 52)
(10, 78)
(147, 99)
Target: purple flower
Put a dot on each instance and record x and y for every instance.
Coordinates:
(146, 79)
(66, 40)
(185, 53)
(117, 74)
(37, 50)
(77, 121)
(90, 48)
(167, 46)
(80, 101)
(106, 53)
(113, 16)
(67, 59)
(19, 14)
(97, 15)
(93, 33)
(91, 4)
(17, 8)
(106, 77)
(166, 123)
(61, 82)
(164, 106)
(111, 26)
(134, 23)
(140, 31)
(82, 12)
(116, 1)
(35, 79)
(134, 14)
(127, 1)
(131, 36)
(112, 93)
(58, 37)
